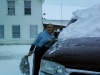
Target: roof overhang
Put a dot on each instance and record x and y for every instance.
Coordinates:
(42, 1)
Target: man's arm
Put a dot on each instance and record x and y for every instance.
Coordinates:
(31, 49)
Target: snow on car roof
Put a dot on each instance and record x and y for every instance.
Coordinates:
(87, 24)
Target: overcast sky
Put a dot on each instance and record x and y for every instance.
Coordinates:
(62, 9)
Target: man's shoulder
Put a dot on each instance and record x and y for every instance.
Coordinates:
(43, 32)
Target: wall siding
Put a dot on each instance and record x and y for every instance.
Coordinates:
(20, 19)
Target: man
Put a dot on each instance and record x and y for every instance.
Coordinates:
(41, 44)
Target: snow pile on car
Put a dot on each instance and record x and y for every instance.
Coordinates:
(87, 24)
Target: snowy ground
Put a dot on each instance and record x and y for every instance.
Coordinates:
(10, 57)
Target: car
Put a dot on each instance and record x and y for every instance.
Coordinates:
(77, 51)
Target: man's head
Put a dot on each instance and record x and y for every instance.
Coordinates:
(50, 28)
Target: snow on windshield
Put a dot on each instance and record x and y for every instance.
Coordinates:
(87, 24)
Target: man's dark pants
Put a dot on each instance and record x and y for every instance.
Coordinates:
(37, 59)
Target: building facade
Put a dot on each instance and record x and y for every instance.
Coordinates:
(20, 21)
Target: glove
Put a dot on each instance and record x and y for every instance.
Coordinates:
(26, 56)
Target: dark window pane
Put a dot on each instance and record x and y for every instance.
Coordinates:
(1, 31)
(11, 7)
(27, 7)
(16, 31)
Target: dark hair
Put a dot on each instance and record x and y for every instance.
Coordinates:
(49, 24)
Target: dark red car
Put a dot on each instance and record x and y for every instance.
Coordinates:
(79, 53)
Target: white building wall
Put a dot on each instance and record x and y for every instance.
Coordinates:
(20, 19)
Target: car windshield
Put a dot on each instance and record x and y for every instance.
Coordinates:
(87, 24)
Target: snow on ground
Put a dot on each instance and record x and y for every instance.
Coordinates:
(10, 58)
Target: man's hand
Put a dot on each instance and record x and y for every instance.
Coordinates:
(26, 56)
(30, 52)
(52, 41)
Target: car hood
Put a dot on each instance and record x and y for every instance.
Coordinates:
(79, 53)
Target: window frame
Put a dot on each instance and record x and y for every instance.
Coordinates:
(27, 7)
(33, 31)
(11, 7)
(16, 31)
(1, 31)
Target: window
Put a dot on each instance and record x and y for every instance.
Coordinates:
(27, 7)
(33, 31)
(1, 31)
(16, 31)
(11, 7)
